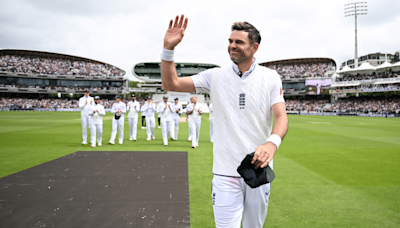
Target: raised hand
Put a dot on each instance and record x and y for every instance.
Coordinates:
(175, 32)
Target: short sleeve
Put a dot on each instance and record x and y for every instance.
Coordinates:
(277, 91)
(189, 107)
(202, 81)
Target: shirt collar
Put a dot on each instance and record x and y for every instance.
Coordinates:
(245, 74)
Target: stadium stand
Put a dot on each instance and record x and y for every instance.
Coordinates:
(347, 105)
(34, 73)
(24, 103)
(56, 66)
(366, 76)
(303, 68)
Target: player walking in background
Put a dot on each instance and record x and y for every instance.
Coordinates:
(149, 108)
(210, 118)
(194, 112)
(164, 110)
(188, 120)
(119, 109)
(84, 103)
(176, 112)
(318, 89)
(143, 115)
(252, 91)
(96, 112)
(133, 109)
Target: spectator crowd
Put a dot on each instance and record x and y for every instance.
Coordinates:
(370, 88)
(76, 88)
(361, 77)
(379, 106)
(54, 66)
(25, 103)
(370, 105)
(288, 71)
(305, 105)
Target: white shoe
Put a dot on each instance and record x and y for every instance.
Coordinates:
(134, 139)
(99, 144)
(120, 142)
(143, 128)
(111, 142)
(159, 126)
(84, 143)
(189, 140)
(130, 139)
(153, 137)
(165, 145)
(93, 145)
(148, 138)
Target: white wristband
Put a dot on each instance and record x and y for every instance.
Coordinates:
(275, 139)
(167, 55)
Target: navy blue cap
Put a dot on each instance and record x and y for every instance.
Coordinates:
(118, 96)
(176, 98)
(97, 98)
(165, 97)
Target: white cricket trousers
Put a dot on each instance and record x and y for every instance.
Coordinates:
(132, 122)
(85, 122)
(195, 129)
(211, 130)
(150, 125)
(117, 124)
(166, 130)
(235, 202)
(96, 129)
(175, 129)
(190, 130)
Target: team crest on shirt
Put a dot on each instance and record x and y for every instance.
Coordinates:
(242, 100)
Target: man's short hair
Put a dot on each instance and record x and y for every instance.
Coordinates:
(254, 35)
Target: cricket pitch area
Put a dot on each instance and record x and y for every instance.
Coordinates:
(330, 172)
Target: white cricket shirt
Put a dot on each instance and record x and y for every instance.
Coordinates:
(242, 113)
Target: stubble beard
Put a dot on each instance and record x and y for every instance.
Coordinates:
(239, 58)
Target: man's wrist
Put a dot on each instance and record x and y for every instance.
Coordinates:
(167, 55)
(275, 139)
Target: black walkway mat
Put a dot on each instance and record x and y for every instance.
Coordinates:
(99, 189)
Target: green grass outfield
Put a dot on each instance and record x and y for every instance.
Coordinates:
(330, 171)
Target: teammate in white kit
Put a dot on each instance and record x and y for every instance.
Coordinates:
(210, 118)
(118, 121)
(194, 112)
(149, 108)
(246, 96)
(164, 110)
(133, 109)
(188, 120)
(84, 103)
(176, 112)
(318, 89)
(96, 112)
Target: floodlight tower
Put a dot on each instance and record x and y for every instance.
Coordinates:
(354, 9)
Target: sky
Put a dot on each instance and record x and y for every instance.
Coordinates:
(126, 32)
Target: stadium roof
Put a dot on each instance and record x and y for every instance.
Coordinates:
(151, 72)
(300, 61)
(384, 65)
(365, 66)
(345, 69)
(45, 54)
